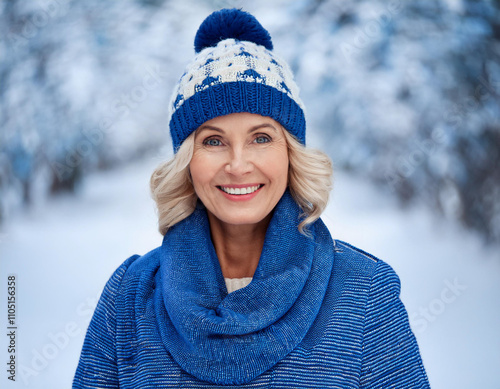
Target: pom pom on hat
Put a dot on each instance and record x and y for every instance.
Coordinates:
(231, 23)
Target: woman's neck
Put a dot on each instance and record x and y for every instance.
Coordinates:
(238, 247)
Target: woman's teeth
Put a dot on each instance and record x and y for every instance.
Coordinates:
(240, 191)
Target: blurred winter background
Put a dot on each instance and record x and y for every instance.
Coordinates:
(404, 96)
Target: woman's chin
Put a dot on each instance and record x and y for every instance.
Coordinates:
(247, 217)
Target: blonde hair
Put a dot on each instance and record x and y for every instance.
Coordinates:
(309, 180)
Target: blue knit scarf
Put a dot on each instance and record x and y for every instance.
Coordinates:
(232, 338)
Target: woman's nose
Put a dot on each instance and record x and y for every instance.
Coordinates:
(239, 163)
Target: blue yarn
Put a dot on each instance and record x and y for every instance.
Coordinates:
(317, 314)
(237, 97)
(231, 23)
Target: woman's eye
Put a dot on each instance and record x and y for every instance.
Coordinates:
(212, 142)
(262, 139)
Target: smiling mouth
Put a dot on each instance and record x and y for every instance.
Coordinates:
(240, 191)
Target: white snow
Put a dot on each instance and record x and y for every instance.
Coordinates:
(63, 254)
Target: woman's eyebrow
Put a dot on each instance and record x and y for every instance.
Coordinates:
(263, 125)
(207, 127)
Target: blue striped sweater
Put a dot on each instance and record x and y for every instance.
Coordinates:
(334, 319)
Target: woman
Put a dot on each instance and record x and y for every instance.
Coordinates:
(248, 287)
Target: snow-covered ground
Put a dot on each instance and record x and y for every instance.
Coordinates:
(63, 253)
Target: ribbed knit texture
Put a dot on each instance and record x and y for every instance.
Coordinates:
(233, 97)
(317, 314)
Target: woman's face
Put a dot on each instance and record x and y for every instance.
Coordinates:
(240, 167)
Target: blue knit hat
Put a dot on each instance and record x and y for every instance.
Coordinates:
(234, 70)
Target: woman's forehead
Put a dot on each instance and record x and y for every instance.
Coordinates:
(240, 122)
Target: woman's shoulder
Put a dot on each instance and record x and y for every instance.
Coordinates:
(355, 262)
(350, 256)
(137, 271)
(145, 262)
(136, 265)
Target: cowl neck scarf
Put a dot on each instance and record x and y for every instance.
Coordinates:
(232, 338)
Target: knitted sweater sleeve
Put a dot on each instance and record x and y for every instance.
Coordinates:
(97, 367)
(391, 358)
